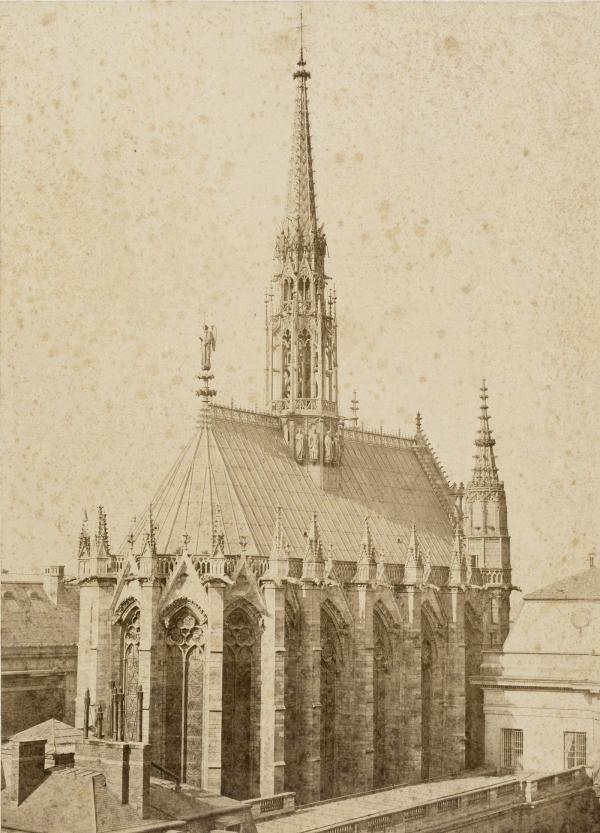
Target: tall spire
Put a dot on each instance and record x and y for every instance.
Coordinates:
(301, 367)
(484, 516)
(485, 471)
(301, 213)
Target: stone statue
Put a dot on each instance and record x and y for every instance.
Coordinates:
(329, 447)
(313, 445)
(286, 384)
(300, 446)
(209, 343)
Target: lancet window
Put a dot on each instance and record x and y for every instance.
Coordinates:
(427, 661)
(332, 662)
(304, 374)
(130, 653)
(185, 637)
(241, 705)
(382, 717)
(286, 359)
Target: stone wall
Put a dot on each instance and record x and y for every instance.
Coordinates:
(38, 683)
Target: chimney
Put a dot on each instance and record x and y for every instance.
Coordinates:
(28, 759)
(126, 768)
(54, 582)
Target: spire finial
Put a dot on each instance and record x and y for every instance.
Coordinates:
(354, 409)
(84, 537)
(209, 344)
(301, 62)
(418, 422)
(485, 471)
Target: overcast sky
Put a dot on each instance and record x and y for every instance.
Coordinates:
(144, 163)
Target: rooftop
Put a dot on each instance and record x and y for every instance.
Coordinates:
(28, 612)
(584, 586)
(236, 471)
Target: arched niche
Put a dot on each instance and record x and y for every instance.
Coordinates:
(130, 670)
(185, 636)
(292, 695)
(240, 739)
(333, 661)
(431, 693)
(384, 692)
(474, 719)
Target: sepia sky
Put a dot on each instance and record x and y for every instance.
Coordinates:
(144, 166)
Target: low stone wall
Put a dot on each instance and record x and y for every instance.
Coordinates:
(563, 802)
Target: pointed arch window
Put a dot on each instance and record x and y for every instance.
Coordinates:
(286, 361)
(474, 717)
(240, 734)
(292, 698)
(304, 374)
(304, 290)
(382, 666)
(332, 664)
(185, 637)
(427, 661)
(130, 636)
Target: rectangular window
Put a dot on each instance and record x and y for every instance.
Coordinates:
(512, 747)
(575, 751)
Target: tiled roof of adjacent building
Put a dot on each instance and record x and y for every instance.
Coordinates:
(29, 615)
(237, 470)
(584, 586)
(56, 734)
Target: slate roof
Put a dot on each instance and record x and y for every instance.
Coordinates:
(238, 469)
(584, 586)
(27, 612)
(59, 736)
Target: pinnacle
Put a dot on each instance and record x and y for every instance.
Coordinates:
(485, 471)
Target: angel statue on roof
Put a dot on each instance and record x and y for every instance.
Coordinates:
(209, 343)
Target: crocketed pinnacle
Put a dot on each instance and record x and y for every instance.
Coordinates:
(84, 538)
(367, 548)
(301, 207)
(300, 235)
(102, 542)
(314, 545)
(485, 472)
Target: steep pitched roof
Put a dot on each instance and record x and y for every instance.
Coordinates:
(27, 611)
(584, 586)
(56, 734)
(241, 465)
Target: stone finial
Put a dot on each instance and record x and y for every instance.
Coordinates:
(314, 545)
(218, 532)
(367, 549)
(411, 566)
(277, 541)
(455, 574)
(185, 541)
(84, 537)
(426, 566)
(485, 471)
(152, 530)
(101, 539)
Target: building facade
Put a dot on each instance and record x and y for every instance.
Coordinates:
(40, 629)
(542, 691)
(302, 603)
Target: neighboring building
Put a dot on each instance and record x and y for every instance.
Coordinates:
(40, 628)
(298, 602)
(542, 692)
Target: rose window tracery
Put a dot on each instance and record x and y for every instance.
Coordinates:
(185, 631)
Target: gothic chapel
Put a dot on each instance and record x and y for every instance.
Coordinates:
(302, 603)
